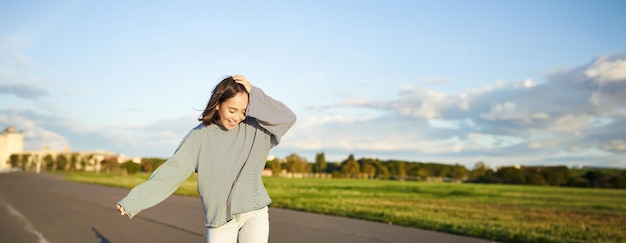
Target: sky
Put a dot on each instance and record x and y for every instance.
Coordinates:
(452, 82)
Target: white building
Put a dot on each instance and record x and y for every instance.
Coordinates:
(11, 142)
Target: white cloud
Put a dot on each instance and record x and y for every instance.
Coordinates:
(416, 102)
(605, 70)
(436, 80)
(555, 121)
(617, 145)
(361, 101)
(36, 137)
(156, 138)
(20, 61)
(608, 99)
(338, 132)
(510, 111)
(600, 121)
(543, 143)
(16, 78)
(501, 85)
(26, 91)
(608, 73)
(570, 124)
(453, 124)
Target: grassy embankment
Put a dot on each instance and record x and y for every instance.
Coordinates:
(506, 213)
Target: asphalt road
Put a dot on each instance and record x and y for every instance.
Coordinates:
(45, 208)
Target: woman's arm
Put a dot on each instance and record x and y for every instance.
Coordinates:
(271, 114)
(164, 180)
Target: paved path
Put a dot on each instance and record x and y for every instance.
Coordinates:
(44, 208)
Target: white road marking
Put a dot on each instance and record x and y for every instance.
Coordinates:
(28, 226)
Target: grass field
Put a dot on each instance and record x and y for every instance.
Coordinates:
(506, 213)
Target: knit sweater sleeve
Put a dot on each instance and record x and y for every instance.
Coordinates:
(271, 114)
(165, 179)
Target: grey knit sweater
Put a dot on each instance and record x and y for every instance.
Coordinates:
(228, 162)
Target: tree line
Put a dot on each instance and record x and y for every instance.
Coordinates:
(368, 168)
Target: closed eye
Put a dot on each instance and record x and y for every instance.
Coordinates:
(233, 111)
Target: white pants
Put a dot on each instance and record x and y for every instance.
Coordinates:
(249, 227)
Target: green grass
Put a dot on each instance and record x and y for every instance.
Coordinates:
(498, 212)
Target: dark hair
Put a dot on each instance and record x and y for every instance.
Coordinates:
(224, 90)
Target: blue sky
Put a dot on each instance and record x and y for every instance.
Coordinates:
(504, 82)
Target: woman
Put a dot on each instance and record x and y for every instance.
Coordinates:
(228, 150)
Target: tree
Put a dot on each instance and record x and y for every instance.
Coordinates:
(84, 160)
(556, 175)
(619, 181)
(146, 165)
(369, 170)
(443, 171)
(490, 176)
(62, 162)
(382, 172)
(480, 168)
(423, 172)
(401, 171)
(333, 168)
(580, 182)
(297, 164)
(50, 162)
(151, 164)
(597, 179)
(320, 163)
(277, 167)
(131, 167)
(73, 161)
(533, 178)
(511, 175)
(369, 167)
(350, 167)
(459, 172)
(14, 159)
(27, 163)
(110, 164)
(397, 169)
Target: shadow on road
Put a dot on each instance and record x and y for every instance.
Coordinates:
(100, 236)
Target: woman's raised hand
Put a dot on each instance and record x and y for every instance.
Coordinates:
(244, 81)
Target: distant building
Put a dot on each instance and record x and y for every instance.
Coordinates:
(122, 159)
(267, 172)
(11, 142)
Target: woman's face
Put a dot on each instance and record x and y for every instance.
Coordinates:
(233, 111)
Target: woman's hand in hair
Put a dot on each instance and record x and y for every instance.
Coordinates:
(244, 81)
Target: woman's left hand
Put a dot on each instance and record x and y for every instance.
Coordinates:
(244, 81)
(121, 209)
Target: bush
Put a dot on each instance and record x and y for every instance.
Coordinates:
(131, 167)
